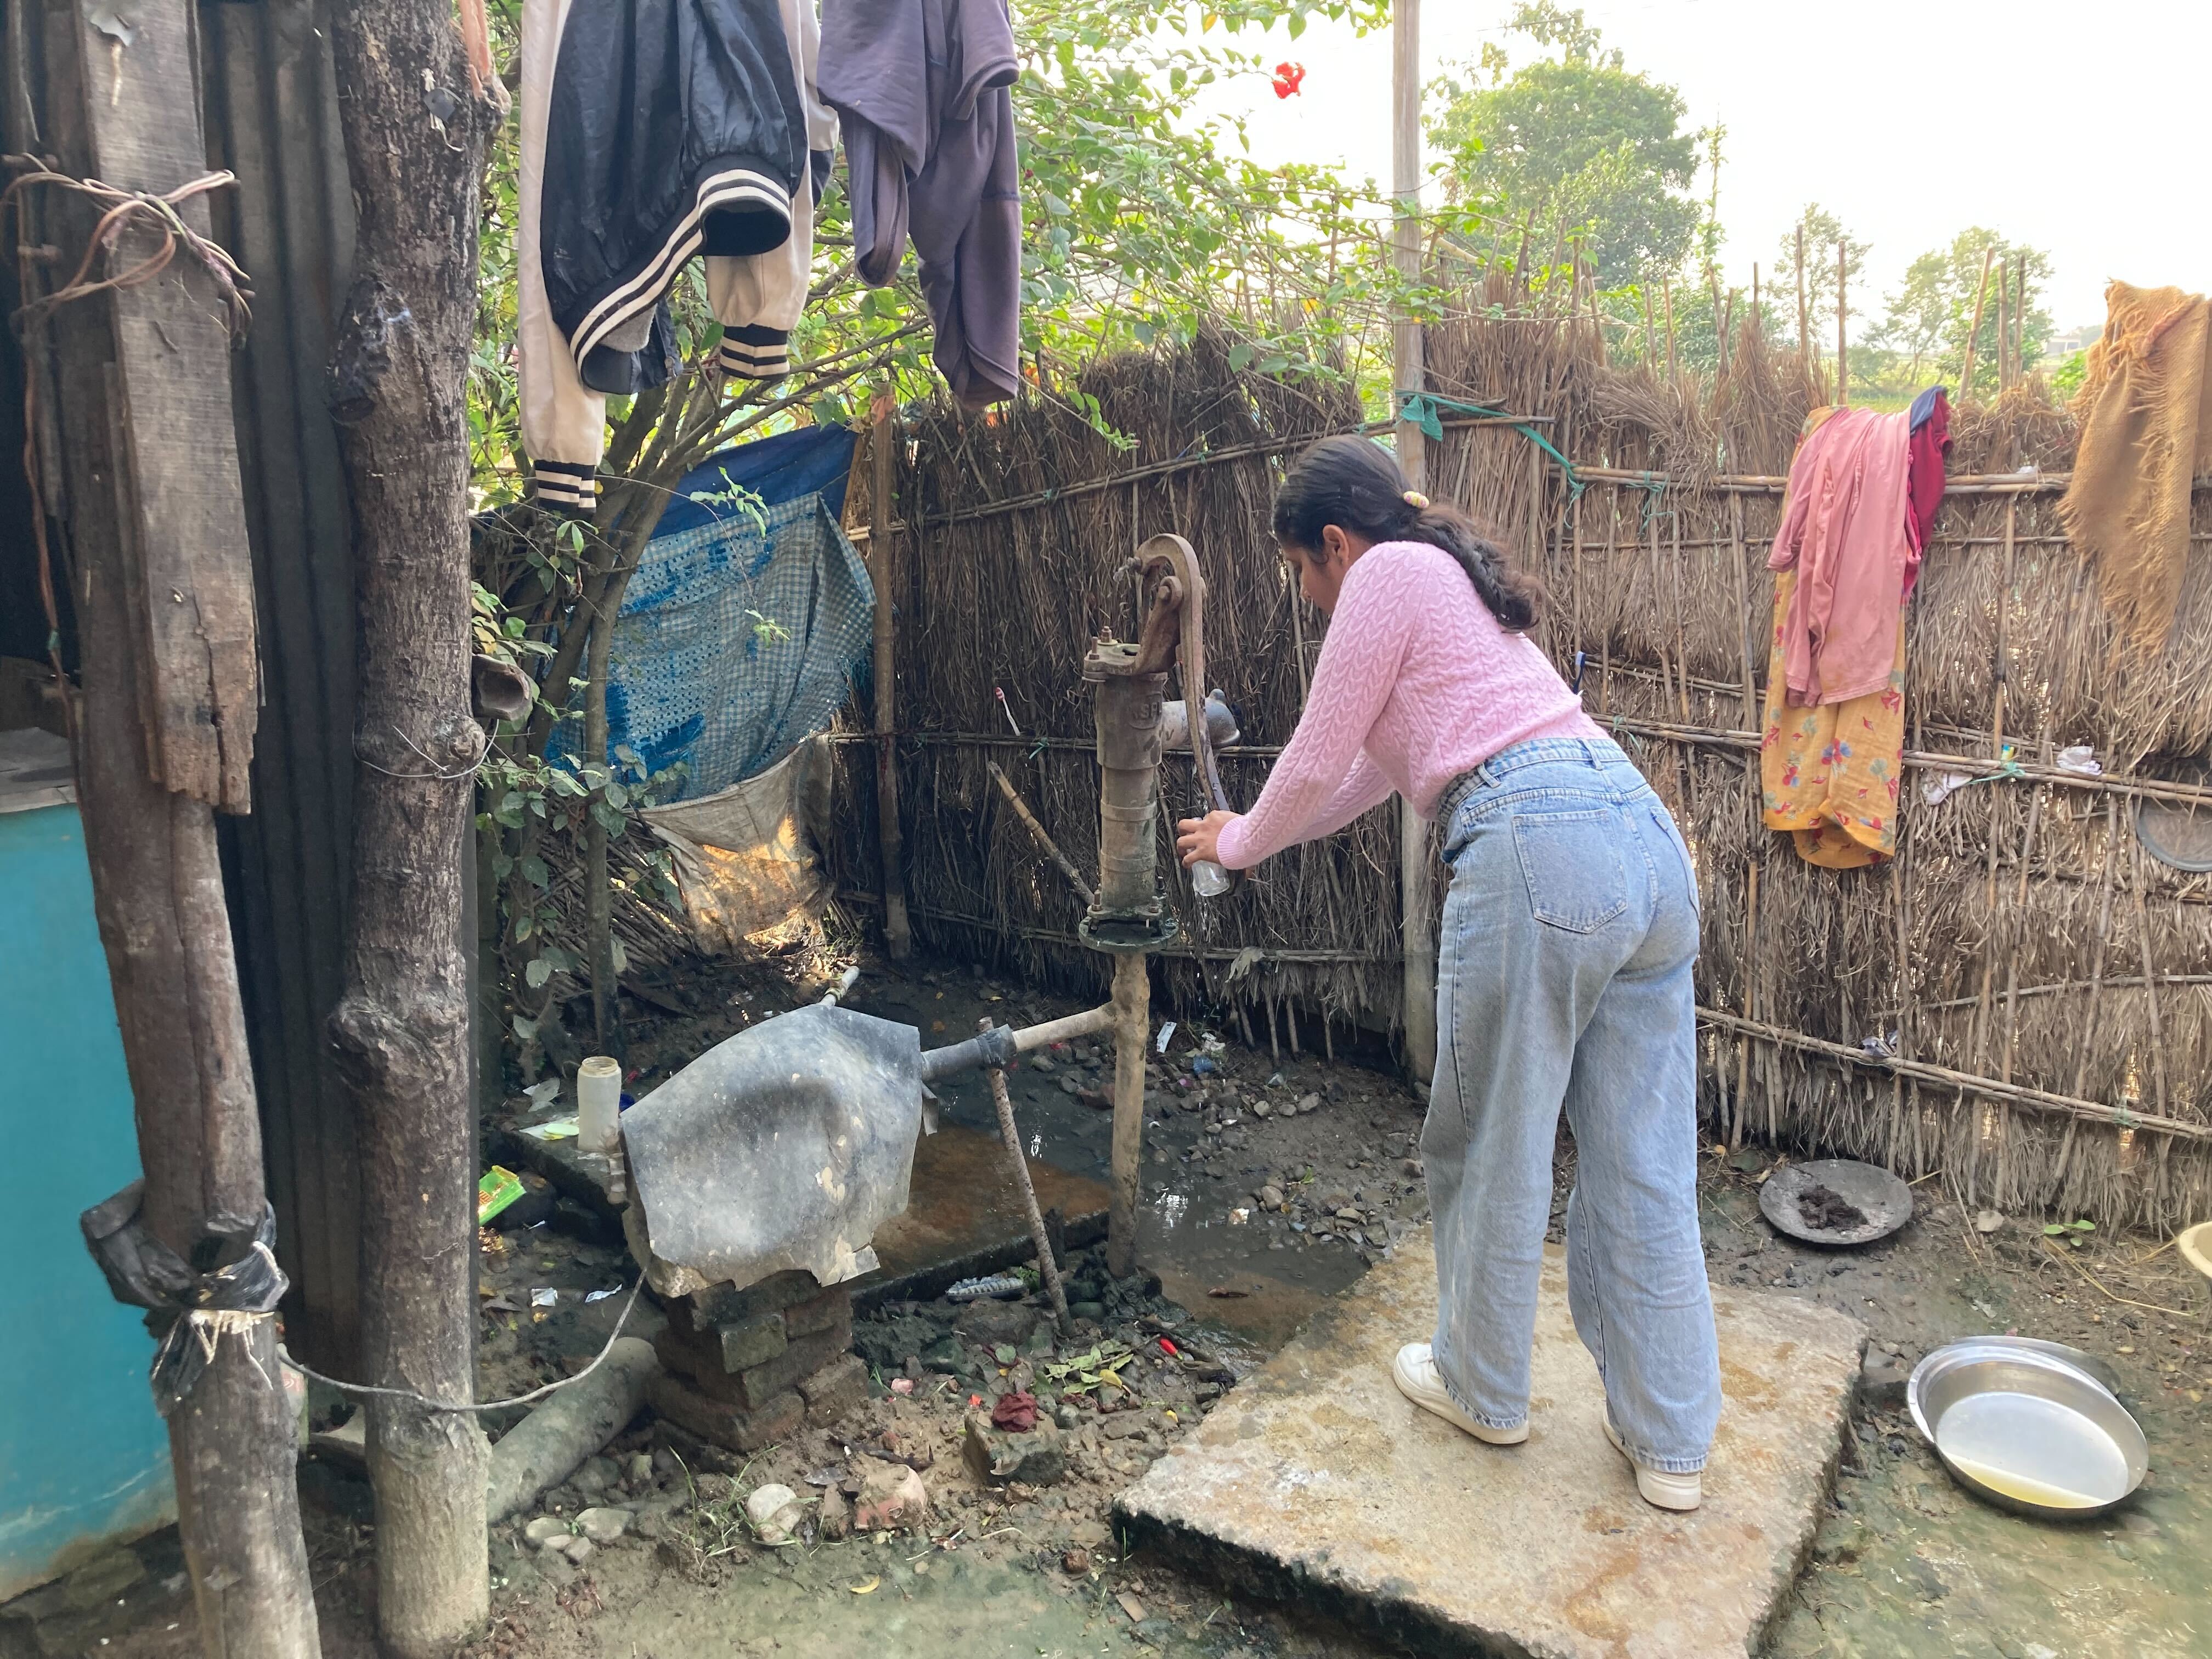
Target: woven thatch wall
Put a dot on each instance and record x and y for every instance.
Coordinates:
(2021, 937)
(1010, 601)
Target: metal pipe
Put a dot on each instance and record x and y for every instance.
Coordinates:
(1126, 711)
(1000, 1045)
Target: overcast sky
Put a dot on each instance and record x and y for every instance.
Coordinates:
(2075, 128)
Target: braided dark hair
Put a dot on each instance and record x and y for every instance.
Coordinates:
(1352, 483)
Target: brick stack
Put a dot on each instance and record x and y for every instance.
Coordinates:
(742, 1368)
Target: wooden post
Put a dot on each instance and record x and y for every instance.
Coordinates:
(1843, 313)
(1719, 327)
(598, 894)
(400, 1032)
(2004, 334)
(144, 466)
(898, 935)
(1974, 329)
(1415, 879)
(1666, 293)
(1806, 351)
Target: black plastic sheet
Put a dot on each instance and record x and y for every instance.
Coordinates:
(141, 1272)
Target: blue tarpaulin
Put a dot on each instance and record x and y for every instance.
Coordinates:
(747, 619)
(812, 460)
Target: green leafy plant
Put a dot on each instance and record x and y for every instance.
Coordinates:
(2076, 1233)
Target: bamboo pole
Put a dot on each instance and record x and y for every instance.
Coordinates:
(1750, 1001)
(2004, 328)
(1843, 313)
(898, 938)
(1974, 329)
(1047, 1267)
(1415, 879)
(1806, 351)
(1963, 1083)
(599, 896)
(1752, 714)
(1666, 293)
(1050, 848)
(1720, 326)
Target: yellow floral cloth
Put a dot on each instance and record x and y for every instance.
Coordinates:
(1831, 772)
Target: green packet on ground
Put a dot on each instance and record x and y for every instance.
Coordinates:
(498, 1189)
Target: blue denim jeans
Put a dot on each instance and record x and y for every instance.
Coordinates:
(1564, 979)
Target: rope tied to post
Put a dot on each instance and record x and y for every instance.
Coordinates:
(158, 210)
(122, 206)
(1426, 409)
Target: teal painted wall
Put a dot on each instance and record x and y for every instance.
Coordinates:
(84, 1459)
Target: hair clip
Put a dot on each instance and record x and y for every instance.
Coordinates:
(1415, 500)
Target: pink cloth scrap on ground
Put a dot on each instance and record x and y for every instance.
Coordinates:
(1845, 529)
(1417, 683)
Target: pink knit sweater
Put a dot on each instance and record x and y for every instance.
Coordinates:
(1417, 684)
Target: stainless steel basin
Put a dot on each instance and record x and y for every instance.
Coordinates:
(2027, 1429)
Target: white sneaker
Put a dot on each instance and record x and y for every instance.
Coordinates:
(1414, 1372)
(1661, 1490)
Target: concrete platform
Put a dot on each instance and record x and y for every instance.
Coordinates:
(1317, 1481)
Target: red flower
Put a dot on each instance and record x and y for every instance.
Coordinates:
(1287, 77)
(1167, 1347)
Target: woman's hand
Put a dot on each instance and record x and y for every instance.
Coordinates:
(1198, 841)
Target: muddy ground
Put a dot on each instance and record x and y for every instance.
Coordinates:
(1272, 1182)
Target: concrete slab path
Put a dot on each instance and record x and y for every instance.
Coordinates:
(1317, 1481)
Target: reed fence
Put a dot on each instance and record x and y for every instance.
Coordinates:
(2021, 999)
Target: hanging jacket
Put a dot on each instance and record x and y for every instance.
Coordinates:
(651, 131)
(921, 87)
(758, 299)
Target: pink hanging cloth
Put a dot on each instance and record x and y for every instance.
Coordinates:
(1847, 529)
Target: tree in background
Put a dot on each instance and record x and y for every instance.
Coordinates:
(1818, 231)
(1139, 226)
(1572, 147)
(1931, 315)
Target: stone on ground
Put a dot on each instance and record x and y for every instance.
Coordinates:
(602, 1526)
(891, 1498)
(996, 1456)
(764, 1501)
(1317, 1481)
